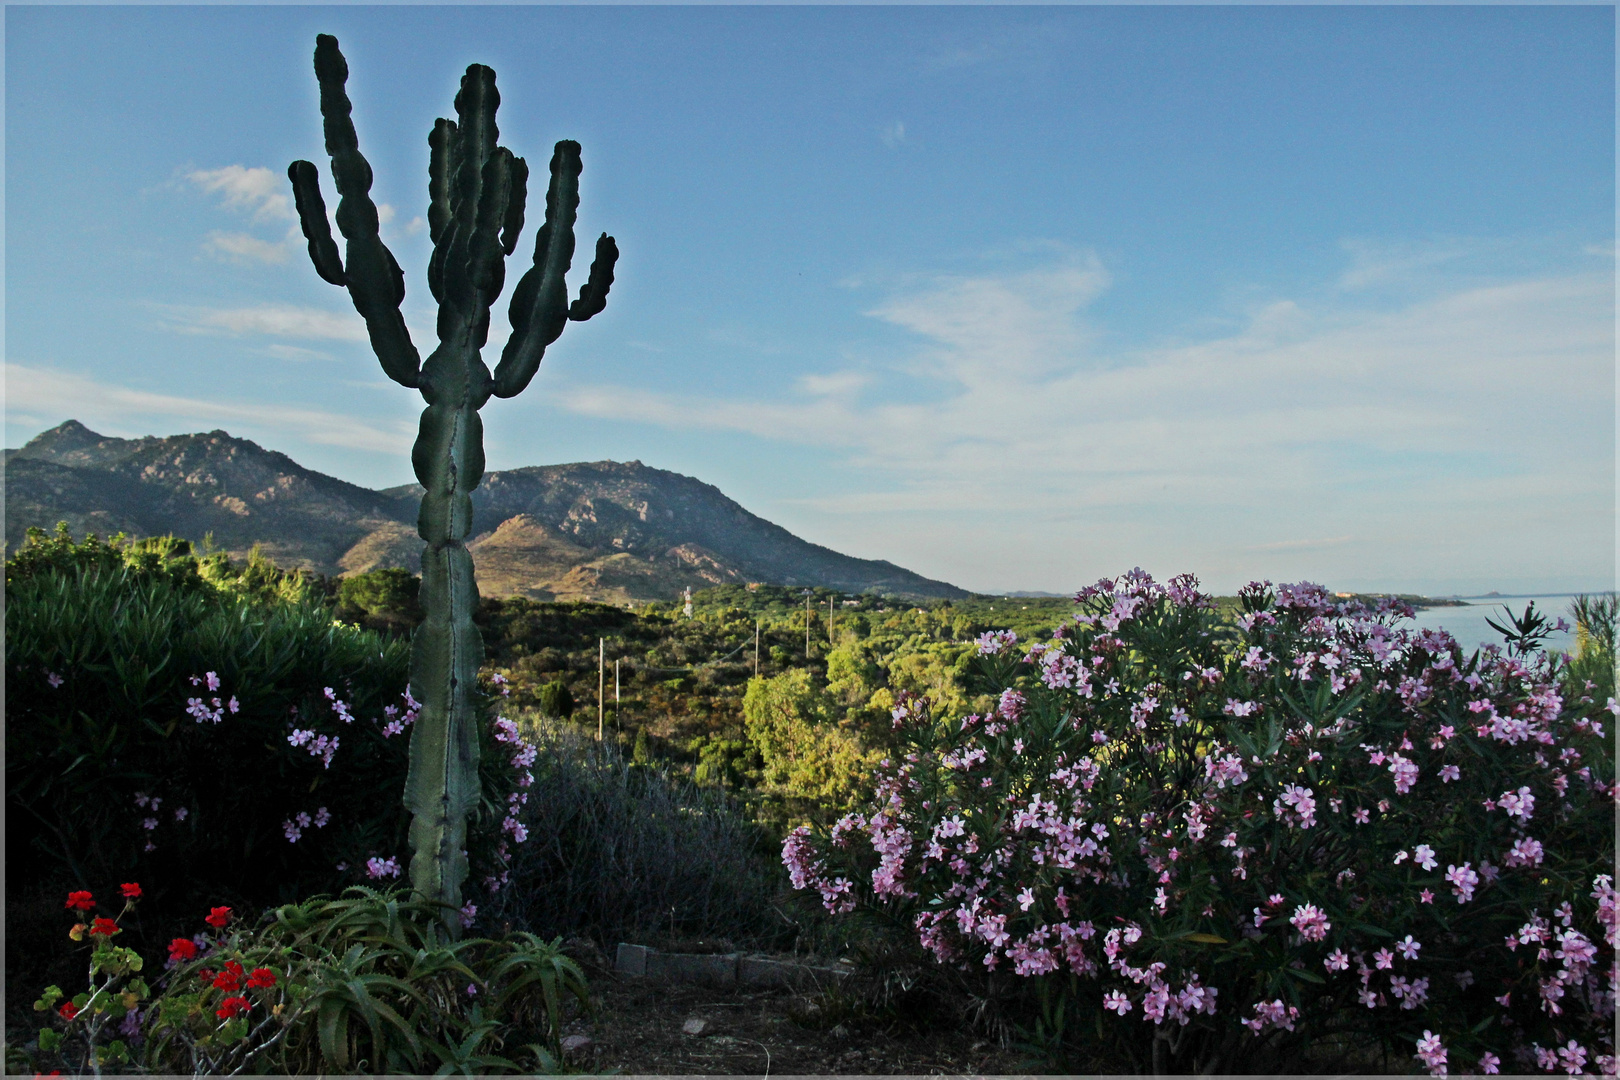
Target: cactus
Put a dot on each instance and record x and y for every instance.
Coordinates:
(476, 192)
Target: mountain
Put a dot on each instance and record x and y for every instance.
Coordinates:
(605, 530)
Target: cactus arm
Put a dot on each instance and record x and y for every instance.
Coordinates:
(441, 160)
(539, 308)
(323, 252)
(486, 260)
(593, 294)
(376, 284)
(513, 225)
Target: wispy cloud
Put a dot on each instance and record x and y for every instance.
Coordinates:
(256, 191)
(273, 320)
(244, 247)
(894, 134)
(261, 195)
(1412, 420)
(32, 392)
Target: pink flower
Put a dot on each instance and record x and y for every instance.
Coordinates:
(1573, 1057)
(1384, 959)
(1448, 773)
(1409, 948)
(1336, 960)
(1432, 1053)
(1311, 923)
(1117, 1001)
(379, 868)
(1526, 852)
(1489, 1063)
(1463, 880)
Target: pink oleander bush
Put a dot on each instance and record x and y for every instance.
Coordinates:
(1219, 846)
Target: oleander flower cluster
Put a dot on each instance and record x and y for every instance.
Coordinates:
(1303, 818)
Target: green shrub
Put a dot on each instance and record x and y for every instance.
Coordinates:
(629, 852)
(359, 984)
(556, 700)
(218, 747)
(385, 599)
(1591, 671)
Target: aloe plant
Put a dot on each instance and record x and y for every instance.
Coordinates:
(476, 192)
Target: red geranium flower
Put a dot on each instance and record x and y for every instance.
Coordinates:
(182, 949)
(81, 900)
(262, 978)
(104, 927)
(206, 974)
(132, 890)
(231, 978)
(232, 1006)
(218, 917)
(68, 1010)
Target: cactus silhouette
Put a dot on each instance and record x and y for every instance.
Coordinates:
(476, 192)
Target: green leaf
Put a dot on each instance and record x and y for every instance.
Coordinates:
(1306, 974)
(1204, 939)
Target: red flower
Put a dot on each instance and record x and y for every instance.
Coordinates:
(68, 1010)
(104, 927)
(231, 978)
(206, 974)
(262, 978)
(232, 1006)
(81, 900)
(218, 917)
(132, 891)
(182, 949)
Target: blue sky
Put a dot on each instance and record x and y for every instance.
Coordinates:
(1015, 297)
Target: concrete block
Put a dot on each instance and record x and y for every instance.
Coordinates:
(715, 969)
(631, 960)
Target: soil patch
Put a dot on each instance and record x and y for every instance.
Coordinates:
(683, 1029)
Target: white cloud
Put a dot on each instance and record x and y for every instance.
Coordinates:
(242, 247)
(894, 134)
(838, 383)
(1462, 422)
(273, 320)
(256, 191)
(102, 405)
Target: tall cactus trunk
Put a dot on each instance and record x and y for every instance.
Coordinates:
(476, 193)
(441, 787)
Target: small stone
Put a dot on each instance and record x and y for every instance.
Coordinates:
(572, 1044)
(695, 1026)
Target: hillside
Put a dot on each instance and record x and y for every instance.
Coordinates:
(606, 531)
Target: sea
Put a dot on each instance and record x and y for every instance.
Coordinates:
(1467, 624)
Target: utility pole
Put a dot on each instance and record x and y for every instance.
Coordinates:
(618, 723)
(756, 648)
(601, 676)
(830, 600)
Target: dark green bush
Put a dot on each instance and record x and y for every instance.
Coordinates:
(385, 599)
(623, 852)
(556, 700)
(124, 763)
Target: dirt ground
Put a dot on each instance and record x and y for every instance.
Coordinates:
(682, 1029)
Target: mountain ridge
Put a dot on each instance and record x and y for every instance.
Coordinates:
(611, 531)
